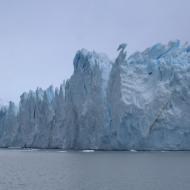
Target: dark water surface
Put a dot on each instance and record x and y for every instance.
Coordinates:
(56, 170)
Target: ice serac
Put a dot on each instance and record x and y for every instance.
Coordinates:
(8, 124)
(140, 102)
(151, 111)
(40, 119)
(86, 103)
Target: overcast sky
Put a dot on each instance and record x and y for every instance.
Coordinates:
(39, 38)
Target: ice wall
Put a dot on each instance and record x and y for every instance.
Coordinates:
(140, 102)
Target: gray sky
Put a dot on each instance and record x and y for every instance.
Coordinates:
(39, 38)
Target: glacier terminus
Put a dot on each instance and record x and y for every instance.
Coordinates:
(140, 102)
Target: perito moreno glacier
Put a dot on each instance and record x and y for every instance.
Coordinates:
(138, 102)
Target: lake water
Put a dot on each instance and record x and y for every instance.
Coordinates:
(56, 170)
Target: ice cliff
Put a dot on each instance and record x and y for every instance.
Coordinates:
(141, 102)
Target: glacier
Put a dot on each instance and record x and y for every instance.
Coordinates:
(140, 102)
